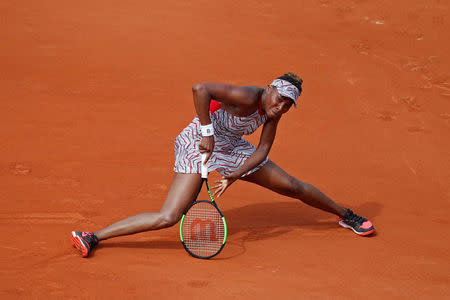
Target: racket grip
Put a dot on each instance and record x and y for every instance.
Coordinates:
(204, 167)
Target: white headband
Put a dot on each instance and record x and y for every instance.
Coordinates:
(287, 89)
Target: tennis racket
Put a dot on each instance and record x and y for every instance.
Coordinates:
(203, 229)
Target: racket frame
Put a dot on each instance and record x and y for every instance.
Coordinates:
(204, 172)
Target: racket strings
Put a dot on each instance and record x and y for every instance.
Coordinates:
(203, 229)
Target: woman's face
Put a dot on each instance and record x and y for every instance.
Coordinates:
(274, 104)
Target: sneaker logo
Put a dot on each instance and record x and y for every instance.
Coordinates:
(366, 225)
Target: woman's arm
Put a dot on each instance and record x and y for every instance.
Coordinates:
(263, 149)
(260, 154)
(225, 93)
(228, 94)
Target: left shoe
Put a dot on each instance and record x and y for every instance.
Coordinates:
(358, 224)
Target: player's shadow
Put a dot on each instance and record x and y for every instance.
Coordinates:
(267, 220)
(154, 244)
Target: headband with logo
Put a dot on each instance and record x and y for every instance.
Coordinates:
(287, 89)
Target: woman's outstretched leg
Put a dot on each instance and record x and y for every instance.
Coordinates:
(182, 192)
(276, 179)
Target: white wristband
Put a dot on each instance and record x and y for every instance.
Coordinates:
(207, 130)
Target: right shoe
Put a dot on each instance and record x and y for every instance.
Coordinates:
(359, 225)
(84, 242)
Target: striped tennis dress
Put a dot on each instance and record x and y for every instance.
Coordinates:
(230, 149)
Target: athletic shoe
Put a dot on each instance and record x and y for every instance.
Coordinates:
(358, 224)
(84, 242)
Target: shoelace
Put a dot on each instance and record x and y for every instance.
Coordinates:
(351, 217)
(91, 238)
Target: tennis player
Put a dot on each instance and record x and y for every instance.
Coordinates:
(224, 114)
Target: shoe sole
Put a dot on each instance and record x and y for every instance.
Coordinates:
(77, 242)
(364, 233)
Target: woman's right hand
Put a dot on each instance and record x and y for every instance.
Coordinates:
(206, 146)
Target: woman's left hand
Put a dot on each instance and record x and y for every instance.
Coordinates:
(223, 184)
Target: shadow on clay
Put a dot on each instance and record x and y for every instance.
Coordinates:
(232, 249)
(142, 244)
(267, 220)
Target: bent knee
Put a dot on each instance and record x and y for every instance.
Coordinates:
(169, 219)
(292, 187)
(305, 190)
(300, 189)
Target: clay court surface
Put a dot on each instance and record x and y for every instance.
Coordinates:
(93, 93)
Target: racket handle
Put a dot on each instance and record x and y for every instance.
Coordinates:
(204, 167)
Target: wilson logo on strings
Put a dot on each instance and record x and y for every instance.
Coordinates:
(200, 229)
